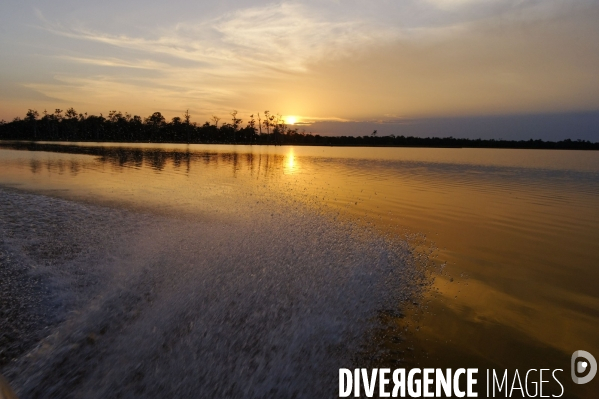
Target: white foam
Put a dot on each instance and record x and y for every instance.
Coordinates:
(265, 303)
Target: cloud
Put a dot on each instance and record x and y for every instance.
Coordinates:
(375, 61)
(291, 36)
(451, 4)
(282, 37)
(243, 51)
(116, 62)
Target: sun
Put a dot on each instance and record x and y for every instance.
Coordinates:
(290, 120)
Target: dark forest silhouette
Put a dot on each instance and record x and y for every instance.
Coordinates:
(260, 129)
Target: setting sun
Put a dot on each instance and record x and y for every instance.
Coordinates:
(290, 120)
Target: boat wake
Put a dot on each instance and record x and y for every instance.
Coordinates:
(117, 303)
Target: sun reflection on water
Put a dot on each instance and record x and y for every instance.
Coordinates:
(290, 163)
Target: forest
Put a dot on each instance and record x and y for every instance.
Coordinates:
(265, 129)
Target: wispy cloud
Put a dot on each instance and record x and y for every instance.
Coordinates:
(288, 37)
(284, 37)
(451, 4)
(133, 94)
(291, 36)
(321, 57)
(223, 55)
(115, 62)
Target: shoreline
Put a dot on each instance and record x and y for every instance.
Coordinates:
(489, 144)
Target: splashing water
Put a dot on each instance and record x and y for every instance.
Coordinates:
(131, 304)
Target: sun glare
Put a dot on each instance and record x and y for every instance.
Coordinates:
(290, 164)
(290, 120)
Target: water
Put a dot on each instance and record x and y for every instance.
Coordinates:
(281, 264)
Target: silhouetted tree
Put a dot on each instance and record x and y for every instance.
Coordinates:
(70, 121)
(156, 121)
(71, 113)
(31, 118)
(235, 123)
(259, 124)
(32, 115)
(187, 119)
(267, 122)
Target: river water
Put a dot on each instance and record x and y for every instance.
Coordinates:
(240, 271)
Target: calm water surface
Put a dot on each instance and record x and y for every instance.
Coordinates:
(513, 232)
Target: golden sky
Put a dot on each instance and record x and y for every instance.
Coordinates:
(360, 61)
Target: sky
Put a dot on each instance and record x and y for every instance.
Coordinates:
(467, 68)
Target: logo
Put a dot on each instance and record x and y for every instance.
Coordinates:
(583, 366)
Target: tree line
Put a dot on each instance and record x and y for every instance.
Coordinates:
(70, 125)
(265, 128)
